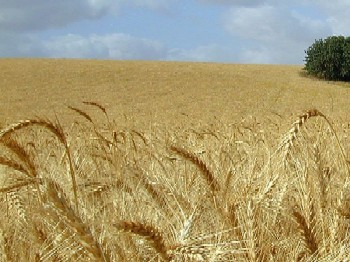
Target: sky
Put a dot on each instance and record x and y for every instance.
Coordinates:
(224, 31)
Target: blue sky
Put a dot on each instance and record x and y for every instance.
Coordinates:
(230, 31)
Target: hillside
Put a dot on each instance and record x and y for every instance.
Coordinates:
(164, 92)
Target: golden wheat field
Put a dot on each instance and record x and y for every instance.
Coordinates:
(170, 161)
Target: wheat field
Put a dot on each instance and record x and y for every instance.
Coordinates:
(157, 161)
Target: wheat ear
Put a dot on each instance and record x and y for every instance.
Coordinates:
(21, 153)
(292, 133)
(152, 234)
(102, 108)
(152, 190)
(82, 113)
(306, 231)
(14, 165)
(91, 103)
(207, 174)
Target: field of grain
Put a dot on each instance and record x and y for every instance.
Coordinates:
(140, 93)
(156, 161)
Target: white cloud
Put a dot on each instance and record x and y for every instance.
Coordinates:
(251, 23)
(268, 23)
(152, 4)
(257, 56)
(338, 15)
(204, 53)
(115, 46)
(278, 35)
(111, 46)
(234, 2)
(336, 12)
(19, 45)
(280, 30)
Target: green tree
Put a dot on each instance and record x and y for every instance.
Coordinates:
(329, 58)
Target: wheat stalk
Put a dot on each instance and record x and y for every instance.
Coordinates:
(60, 205)
(18, 185)
(58, 132)
(33, 122)
(3, 254)
(15, 202)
